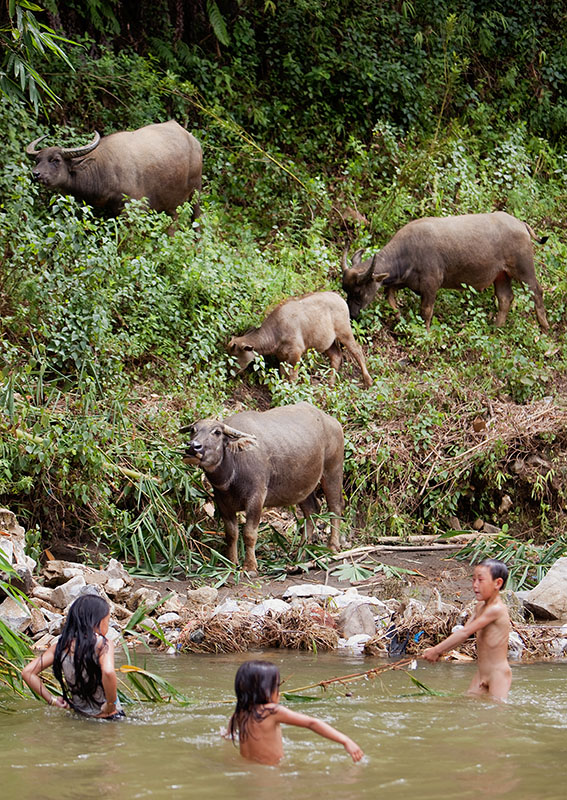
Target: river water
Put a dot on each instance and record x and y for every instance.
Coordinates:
(416, 746)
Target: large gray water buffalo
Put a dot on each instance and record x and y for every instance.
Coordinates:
(162, 162)
(444, 253)
(319, 320)
(266, 459)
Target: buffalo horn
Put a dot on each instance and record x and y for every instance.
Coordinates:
(30, 149)
(344, 263)
(77, 152)
(237, 434)
(357, 258)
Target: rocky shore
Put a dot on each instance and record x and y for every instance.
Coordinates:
(306, 615)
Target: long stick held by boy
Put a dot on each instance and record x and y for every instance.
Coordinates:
(491, 624)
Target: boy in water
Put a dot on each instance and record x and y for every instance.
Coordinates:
(491, 624)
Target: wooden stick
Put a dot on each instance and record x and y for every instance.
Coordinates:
(404, 662)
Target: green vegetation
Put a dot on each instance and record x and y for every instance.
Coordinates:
(313, 118)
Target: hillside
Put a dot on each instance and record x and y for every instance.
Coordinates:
(113, 333)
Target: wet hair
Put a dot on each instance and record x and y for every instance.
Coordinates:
(78, 641)
(254, 686)
(498, 569)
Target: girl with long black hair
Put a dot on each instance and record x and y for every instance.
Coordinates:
(82, 661)
(258, 715)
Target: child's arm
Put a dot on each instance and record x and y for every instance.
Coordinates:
(288, 717)
(30, 676)
(486, 617)
(106, 661)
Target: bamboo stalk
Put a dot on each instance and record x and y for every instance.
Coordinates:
(404, 662)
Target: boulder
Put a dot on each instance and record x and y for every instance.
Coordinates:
(15, 615)
(203, 596)
(356, 619)
(171, 618)
(273, 605)
(42, 593)
(64, 594)
(56, 572)
(144, 595)
(311, 590)
(174, 603)
(548, 600)
(13, 541)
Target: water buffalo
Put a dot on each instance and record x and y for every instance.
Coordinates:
(266, 459)
(162, 162)
(319, 320)
(444, 253)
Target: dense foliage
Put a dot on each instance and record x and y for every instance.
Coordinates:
(321, 123)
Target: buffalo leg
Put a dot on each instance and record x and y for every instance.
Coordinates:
(392, 302)
(539, 306)
(332, 485)
(309, 506)
(427, 302)
(504, 296)
(336, 358)
(358, 354)
(250, 536)
(231, 535)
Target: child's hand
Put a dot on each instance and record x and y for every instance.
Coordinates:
(353, 750)
(108, 709)
(59, 702)
(430, 654)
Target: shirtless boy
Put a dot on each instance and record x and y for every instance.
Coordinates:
(491, 624)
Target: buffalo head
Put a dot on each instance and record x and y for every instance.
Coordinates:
(209, 438)
(53, 164)
(241, 350)
(360, 282)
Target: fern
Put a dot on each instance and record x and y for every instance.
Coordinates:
(217, 23)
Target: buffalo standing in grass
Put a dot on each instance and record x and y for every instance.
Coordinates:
(266, 459)
(444, 253)
(161, 162)
(319, 320)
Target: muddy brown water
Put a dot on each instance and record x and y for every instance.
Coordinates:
(416, 746)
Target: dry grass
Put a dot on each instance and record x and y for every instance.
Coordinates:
(237, 633)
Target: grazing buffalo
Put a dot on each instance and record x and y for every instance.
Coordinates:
(266, 459)
(162, 162)
(319, 320)
(444, 253)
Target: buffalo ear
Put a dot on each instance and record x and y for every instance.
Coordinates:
(237, 440)
(185, 429)
(380, 277)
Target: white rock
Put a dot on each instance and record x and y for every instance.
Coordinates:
(515, 645)
(42, 593)
(559, 647)
(274, 605)
(356, 643)
(230, 606)
(113, 586)
(203, 596)
(168, 619)
(173, 603)
(62, 596)
(549, 598)
(311, 590)
(13, 540)
(15, 615)
(144, 595)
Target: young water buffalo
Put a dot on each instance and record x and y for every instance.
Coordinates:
(319, 320)
(266, 459)
(444, 253)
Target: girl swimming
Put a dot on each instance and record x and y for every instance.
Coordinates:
(83, 662)
(258, 716)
